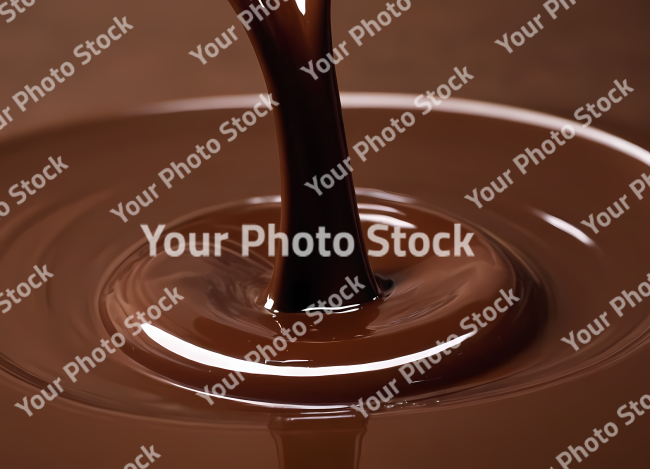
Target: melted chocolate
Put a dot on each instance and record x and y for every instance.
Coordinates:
(144, 390)
(227, 319)
(312, 141)
(472, 397)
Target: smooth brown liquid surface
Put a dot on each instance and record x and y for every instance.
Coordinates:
(429, 299)
(535, 387)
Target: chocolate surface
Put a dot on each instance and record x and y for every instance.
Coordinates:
(72, 232)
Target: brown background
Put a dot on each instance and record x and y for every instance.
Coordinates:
(574, 60)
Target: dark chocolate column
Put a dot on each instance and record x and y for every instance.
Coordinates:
(312, 142)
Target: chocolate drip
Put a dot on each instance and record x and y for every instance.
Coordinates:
(311, 140)
(318, 441)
